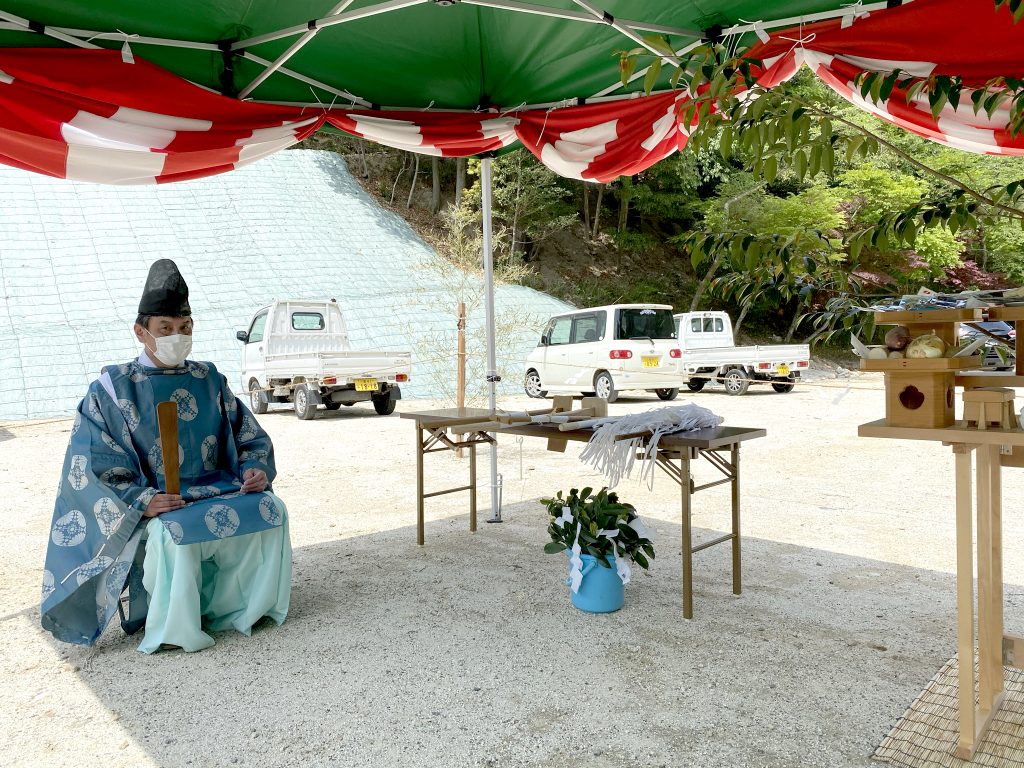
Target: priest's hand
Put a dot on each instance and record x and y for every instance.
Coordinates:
(255, 481)
(163, 502)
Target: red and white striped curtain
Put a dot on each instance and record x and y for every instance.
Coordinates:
(93, 116)
(965, 38)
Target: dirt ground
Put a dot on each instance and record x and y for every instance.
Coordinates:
(467, 652)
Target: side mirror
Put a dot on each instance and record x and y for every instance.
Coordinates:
(242, 336)
(544, 340)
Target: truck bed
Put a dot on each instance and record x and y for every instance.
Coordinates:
(342, 365)
(750, 356)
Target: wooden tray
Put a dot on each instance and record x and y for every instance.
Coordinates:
(942, 316)
(922, 364)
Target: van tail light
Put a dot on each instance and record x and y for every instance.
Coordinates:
(620, 354)
(401, 377)
(329, 380)
(764, 366)
(802, 364)
(675, 353)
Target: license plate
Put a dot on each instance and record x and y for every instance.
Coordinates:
(783, 370)
(651, 362)
(366, 385)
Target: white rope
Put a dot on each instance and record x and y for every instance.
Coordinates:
(615, 459)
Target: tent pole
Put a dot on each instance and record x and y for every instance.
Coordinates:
(25, 25)
(492, 365)
(610, 20)
(586, 18)
(292, 50)
(307, 80)
(328, 21)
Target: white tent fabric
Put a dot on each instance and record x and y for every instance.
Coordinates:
(73, 258)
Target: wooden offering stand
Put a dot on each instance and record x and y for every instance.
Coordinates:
(920, 399)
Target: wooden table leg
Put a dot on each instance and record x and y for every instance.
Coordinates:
(419, 484)
(687, 543)
(965, 599)
(737, 579)
(472, 489)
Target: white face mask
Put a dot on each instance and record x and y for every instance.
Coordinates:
(172, 350)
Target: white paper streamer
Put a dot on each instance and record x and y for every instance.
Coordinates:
(616, 458)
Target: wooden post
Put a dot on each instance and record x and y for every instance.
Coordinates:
(167, 419)
(965, 599)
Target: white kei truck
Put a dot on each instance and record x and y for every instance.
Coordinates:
(708, 351)
(297, 351)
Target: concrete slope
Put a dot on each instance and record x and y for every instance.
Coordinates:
(74, 256)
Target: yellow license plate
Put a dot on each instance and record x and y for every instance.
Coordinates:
(366, 385)
(651, 362)
(783, 370)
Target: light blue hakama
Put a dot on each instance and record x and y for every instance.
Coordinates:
(214, 585)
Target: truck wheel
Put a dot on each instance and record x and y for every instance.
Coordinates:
(696, 385)
(332, 406)
(604, 387)
(257, 398)
(305, 408)
(532, 384)
(384, 405)
(667, 394)
(736, 381)
(782, 387)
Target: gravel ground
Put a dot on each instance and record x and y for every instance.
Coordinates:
(467, 652)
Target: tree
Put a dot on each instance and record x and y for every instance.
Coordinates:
(530, 201)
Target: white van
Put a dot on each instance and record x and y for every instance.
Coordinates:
(606, 350)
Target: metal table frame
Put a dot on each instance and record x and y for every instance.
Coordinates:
(720, 447)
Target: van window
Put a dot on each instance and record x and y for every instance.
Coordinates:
(645, 323)
(256, 329)
(586, 328)
(307, 321)
(695, 325)
(561, 330)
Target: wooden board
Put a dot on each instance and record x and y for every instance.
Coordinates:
(922, 364)
(167, 418)
(953, 434)
(939, 316)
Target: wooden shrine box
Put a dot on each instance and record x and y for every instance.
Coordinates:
(920, 392)
(919, 399)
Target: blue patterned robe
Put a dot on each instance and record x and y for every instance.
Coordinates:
(113, 468)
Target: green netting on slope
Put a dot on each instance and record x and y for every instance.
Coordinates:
(74, 256)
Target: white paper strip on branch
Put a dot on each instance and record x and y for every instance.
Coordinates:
(615, 459)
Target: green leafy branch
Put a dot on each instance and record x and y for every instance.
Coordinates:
(1016, 8)
(943, 90)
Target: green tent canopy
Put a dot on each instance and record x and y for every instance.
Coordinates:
(401, 53)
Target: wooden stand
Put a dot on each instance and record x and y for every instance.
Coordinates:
(989, 407)
(990, 431)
